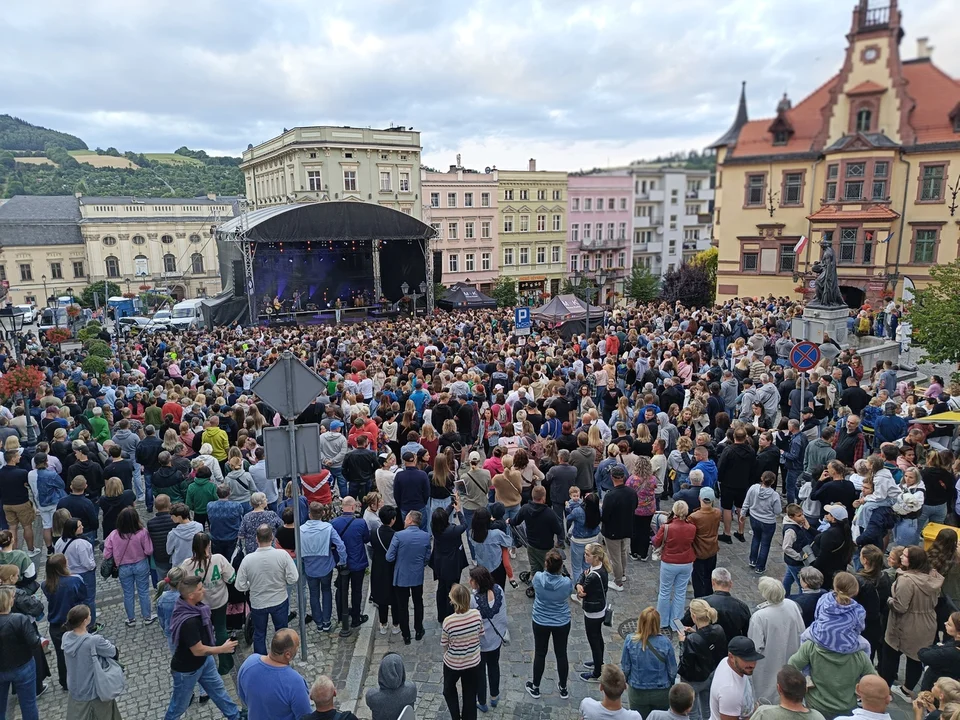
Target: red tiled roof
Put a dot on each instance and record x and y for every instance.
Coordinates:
(836, 213)
(867, 87)
(937, 94)
(804, 117)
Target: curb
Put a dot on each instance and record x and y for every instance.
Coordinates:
(358, 666)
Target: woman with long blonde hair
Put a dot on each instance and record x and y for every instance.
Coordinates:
(643, 650)
(591, 592)
(701, 651)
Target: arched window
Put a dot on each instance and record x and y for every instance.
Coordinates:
(139, 240)
(194, 238)
(109, 241)
(141, 265)
(196, 262)
(167, 239)
(113, 267)
(169, 263)
(864, 119)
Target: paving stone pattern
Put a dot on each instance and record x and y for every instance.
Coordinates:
(352, 662)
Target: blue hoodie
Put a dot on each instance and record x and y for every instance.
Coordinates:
(709, 468)
(551, 606)
(316, 538)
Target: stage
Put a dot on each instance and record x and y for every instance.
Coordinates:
(328, 261)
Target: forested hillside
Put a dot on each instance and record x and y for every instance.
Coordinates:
(38, 161)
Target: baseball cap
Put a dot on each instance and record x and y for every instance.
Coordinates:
(409, 456)
(384, 456)
(708, 495)
(474, 457)
(838, 511)
(336, 425)
(743, 648)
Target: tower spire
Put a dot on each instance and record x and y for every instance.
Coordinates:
(731, 135)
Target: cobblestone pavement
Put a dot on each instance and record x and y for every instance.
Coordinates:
(353, 662)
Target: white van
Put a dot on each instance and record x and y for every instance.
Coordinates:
(186, 315)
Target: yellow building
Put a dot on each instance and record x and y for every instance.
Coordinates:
(864, 162)
(533, 229)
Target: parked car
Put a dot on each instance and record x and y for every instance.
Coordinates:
(29, 313)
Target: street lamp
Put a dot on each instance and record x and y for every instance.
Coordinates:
(405, 287)
(43, 279)
(11, 322)
(578, 278)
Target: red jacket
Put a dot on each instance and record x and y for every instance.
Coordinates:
(679, 547)
(316, 488)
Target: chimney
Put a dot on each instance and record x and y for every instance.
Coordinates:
(533, 165)
(211, 196)
(924, 48)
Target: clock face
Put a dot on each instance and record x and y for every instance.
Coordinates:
(871, 54)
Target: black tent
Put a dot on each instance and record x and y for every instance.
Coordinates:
(461, 297)
(562, 308)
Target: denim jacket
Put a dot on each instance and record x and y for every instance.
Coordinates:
(643, 669)
(577, 521)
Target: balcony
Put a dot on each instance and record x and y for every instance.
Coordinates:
(656, 195)
(646, 221)
(614, 244)
(650, 248)
(704, 194)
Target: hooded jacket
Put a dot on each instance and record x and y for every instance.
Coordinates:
(818, 454)
(912, 623)
(735, 469)
(667, 431)
(394, 692)
(180, 541)
(148, 452)
(77, 651)
(170, 481)
(541, 525)
(92, 473)
(333, 448)
(762, 504)
(128, 442)
(551, 604)
(241, 485)
(200, 492)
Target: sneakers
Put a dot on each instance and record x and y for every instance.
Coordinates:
(588, 664)
(532, 690)
(360, 621)
(614, 586)
(739, 536)
(588, 677)
(564, 693)
(759, 571)
(902, 694)
(151, 620)
(494, 701)
(513, 553)
(33, 553)
(326, 627)
(396, 630)
(514, 584)
(635, 556)
(131, 622)
(383, 629)
(482, 708)
(725, 539)
(419, 634)
(94, 629)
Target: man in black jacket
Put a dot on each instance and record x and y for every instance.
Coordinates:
(158, 527)
(82, 508)
(733, 615)
(148, 452)
(616, 524)
(734, 473)
(359, 466)
(91, 471)
(118, 467)
(541, 525)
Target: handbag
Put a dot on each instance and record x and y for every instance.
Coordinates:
(607, 607)
(108, 679)
(658, 551)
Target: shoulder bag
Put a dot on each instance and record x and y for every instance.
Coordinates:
(110, 567)
(607, 607)
(108, 677)
(658, 551)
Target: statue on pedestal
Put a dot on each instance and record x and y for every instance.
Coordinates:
(828, 285)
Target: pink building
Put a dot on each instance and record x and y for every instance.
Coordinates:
(599, 221)
(461, 205)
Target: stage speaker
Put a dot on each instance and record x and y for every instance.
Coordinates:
(239, 282)
(437, 266)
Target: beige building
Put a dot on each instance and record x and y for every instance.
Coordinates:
(869, 162)
(336, 163)
(533, 230)
(41, 248)
(165, 243)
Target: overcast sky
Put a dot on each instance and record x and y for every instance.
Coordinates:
(576, 84)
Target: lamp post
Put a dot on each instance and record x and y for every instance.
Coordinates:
(43, 279)
(405, 288)
(577, 280)
(11, 322)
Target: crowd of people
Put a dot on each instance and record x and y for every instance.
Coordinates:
(543, 468)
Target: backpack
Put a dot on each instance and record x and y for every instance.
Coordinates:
(502, 414)
(49, 488)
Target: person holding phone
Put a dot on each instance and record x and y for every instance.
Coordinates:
(591, 589)
(448, 559)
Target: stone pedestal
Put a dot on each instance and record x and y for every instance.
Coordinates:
(816, 321)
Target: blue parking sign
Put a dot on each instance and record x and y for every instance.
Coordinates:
(521, 320)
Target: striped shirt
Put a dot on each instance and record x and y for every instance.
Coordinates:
(460, 638)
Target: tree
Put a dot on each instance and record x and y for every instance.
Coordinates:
(102, 289)
(709, 260)
(643, 286)
(94, 365)
(505, 292)
(935, 315)
(687, 284)
(586, 289)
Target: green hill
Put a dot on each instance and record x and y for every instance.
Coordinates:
(17, 134)
(75, 168)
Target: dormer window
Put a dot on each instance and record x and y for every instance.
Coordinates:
(780, 137)
(864, 120)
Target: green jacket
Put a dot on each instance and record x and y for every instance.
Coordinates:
(101, 430)
(200, 492)
(834, 692)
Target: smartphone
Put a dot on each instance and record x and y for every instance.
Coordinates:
(460, 487)
(678, 626)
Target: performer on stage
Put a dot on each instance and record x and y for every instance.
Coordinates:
(296, 301)
(337, 305)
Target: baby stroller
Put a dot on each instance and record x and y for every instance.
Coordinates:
(520, 540)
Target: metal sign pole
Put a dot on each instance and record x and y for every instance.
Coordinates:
(295, 495)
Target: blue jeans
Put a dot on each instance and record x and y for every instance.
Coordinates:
(148, 489)
(278, 613)
(90, 580)
(341, 481)
(577, 563)
(931, 513)
(907, 531)
(468, 519)
(320, 590)
(137, 480)
(509, 514)
(135, 578)
(210, 680)
(24, 681)
(719, 347)
(791, 576)
(760, 546)
(791, 483)
(673, 591)
(438, 503)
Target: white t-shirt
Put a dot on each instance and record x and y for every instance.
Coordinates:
(730, 693)
(591, 709)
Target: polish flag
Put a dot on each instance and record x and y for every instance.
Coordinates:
(801, 244)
